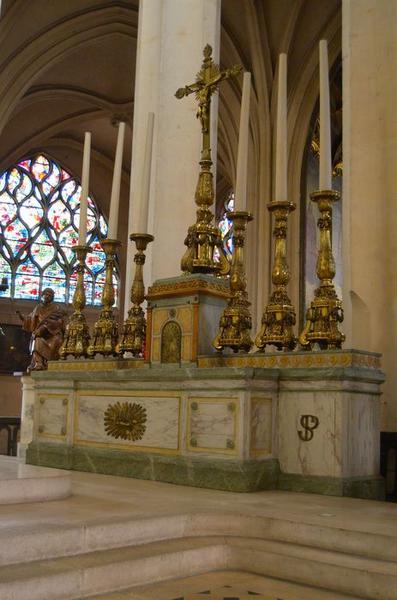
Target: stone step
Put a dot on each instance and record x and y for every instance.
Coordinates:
(52, 540)
(21, 483)
(115, 569)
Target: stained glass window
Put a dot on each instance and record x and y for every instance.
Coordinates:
(39, 221)
(226, 225)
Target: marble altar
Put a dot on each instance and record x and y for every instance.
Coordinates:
(303, 421)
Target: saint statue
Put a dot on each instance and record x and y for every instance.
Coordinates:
(46, 323)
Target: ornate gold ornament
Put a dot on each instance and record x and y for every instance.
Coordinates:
(294, 360)
(77, 336)
(171, 343)
(125, 421)
(105, 335)
(279, 314)
(134, 329)
(185, 287)
(235, 323)
(203, 237)
(325, 311)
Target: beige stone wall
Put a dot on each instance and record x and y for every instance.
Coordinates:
(369, 195)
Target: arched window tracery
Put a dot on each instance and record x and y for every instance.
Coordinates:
(39, 221)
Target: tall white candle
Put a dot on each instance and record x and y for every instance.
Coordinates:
(240, 196)
(115, 195)
(85, 183)
(325, 121)
(143, 195)
(280, 187)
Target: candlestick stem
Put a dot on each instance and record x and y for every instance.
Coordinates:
(235, 323)
(134, 329)
(77, 336)
(325, 311)
(105, 336)
(279, 314)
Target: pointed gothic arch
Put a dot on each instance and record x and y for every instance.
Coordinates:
(39, 221)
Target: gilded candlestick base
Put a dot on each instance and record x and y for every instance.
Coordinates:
(134, 329)
(105, 335)
(77, 335)
(279, 315)
(325, 311)
(205, 252)
(235, 323)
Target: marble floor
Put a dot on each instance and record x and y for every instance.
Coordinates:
(178, 542)
(224, 585)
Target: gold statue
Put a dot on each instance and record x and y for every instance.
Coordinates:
(204, 241)
(46, 323)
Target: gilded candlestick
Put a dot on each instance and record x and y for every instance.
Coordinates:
(77, 336)
(279, 314)
(134, 329)
(325, 311)
(235, 323)
(105, 335)
(203, 238)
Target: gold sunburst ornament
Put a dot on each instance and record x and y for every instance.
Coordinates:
(125, 420)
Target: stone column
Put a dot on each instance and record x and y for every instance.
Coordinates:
(171, 38)
(27, 413)
(369, 185)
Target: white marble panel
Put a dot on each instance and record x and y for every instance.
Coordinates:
(162, 420)
(321, 455)
(261, 425)
(360, 414)
(52, 415)
(213, 423)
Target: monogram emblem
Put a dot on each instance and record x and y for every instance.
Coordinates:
(309, 424)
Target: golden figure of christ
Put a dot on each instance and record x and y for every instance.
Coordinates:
(206, 84)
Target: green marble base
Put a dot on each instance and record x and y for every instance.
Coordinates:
(370, 488)
(230, 475)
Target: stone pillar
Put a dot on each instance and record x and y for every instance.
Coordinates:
(369, 182)
(171, 38)
(27, 413)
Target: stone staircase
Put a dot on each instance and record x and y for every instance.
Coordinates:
(81, 561)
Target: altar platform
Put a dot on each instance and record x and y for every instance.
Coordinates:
(120, 538)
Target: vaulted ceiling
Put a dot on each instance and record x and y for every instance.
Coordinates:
(68, 67)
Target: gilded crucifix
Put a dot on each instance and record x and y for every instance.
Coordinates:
(203, 239)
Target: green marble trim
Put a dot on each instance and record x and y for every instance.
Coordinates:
(191, 372)
(230, 475)
(370, 488)
(161, 373)
(333, 374)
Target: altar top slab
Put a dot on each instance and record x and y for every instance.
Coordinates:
(328, 364)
